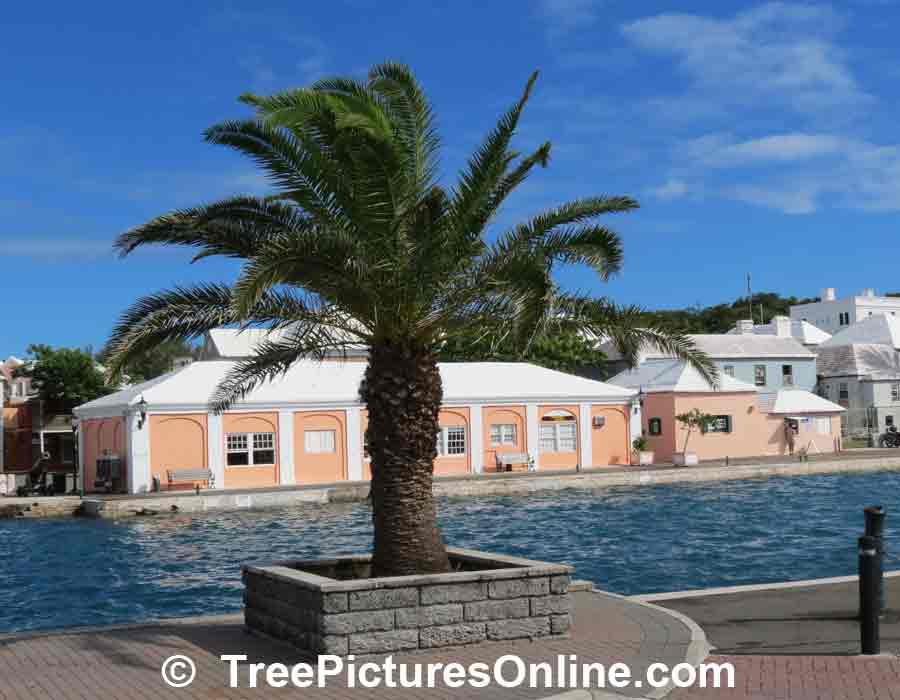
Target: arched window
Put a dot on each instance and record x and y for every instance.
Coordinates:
(559, 432)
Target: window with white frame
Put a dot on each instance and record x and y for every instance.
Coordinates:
(503, 434)
(895, 392)
(729, 370)
(318, 441)
(249, 449)
(558, 435)
(451, 441)
(823, 426)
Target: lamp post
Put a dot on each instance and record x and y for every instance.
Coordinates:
(142, 412)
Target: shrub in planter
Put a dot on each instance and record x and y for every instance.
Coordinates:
(643, 456)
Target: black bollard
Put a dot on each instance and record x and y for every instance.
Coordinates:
(869, 575)
(875, 528)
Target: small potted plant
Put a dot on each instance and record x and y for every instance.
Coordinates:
(692, 420)
(642, 455)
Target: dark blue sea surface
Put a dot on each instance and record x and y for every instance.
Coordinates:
(59, 573)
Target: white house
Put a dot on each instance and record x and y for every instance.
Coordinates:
(308, 426)
(832, 314)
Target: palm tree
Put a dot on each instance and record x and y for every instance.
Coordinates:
(361, 244)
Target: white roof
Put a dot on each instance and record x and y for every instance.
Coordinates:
(234, 343)
(723, 346)
(802, 331)
(878, 329)
(676, 376)
(336, 383)
(865, 360)
(797, 401)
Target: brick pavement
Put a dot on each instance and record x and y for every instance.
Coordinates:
(804, 678)
(124, 663)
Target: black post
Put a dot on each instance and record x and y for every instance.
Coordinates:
(875, 528)
(869, 575)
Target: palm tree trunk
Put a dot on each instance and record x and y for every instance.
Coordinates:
(402, 391)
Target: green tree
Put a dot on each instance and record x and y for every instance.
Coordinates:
(695, 419)
(154, 362)
(64, 377)
(360, 243)
(564, 350)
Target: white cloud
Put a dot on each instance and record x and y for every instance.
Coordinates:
(670, 189)
(718, 150)
(776, 51)
(798, 173)
(564, 16)
(798, 201)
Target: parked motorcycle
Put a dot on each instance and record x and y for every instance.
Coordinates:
(889, 438)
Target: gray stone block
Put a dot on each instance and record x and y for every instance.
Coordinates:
(497, 609)
(560, 624)
(335, 602)
(429, 615)
(451, 635)
(529, 627)
(332, 644)
(381, 642)
(559, 584)
(453, 593)
(550, 605)
(350, 622)
(384, 598)
(519, 587)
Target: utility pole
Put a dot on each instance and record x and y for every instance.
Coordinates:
(749, 298)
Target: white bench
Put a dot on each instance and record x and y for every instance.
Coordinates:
(182, 476)
(513, 461)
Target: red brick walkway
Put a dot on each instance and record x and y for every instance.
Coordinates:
(804, 678)
(124, 664)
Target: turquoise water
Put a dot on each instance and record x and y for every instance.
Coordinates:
(627, 540)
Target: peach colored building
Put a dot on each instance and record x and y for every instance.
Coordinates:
(749, 423)
(308, 426)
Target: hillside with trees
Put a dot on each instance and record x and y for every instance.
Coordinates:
(721, 318)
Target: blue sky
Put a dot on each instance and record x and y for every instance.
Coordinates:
(757, 137)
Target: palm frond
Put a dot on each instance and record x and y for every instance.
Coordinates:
(486, 168)
(273, 358)
(233, 227)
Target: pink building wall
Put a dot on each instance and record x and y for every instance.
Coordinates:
(753, 433)
(611, 444)
(560, 460)
(98, 436)
(238, 477)
(502, 415)
(178, 441)
(453, 464)
(320, 468)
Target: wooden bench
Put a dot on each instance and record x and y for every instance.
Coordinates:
(182, 476)
(513, 461)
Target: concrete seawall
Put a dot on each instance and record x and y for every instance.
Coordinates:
(474, 485)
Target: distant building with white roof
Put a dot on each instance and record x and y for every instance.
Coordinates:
(859, 367)
(805, 333)
(832, 314)
(308, 426)
(769, 362)
(748, 422)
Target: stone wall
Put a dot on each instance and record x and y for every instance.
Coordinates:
(493, 598)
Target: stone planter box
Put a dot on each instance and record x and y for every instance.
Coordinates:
(332, 607)
(644, 458)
